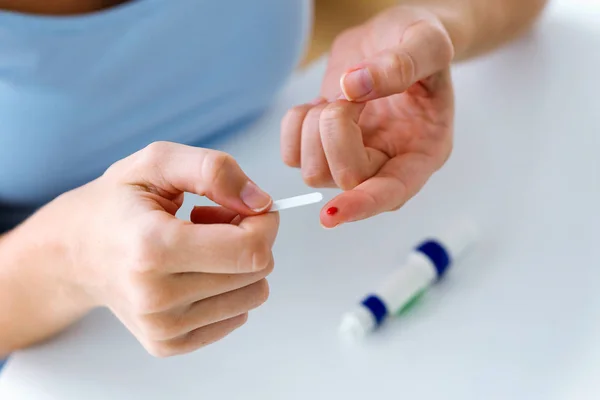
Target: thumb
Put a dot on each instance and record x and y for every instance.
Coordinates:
(169, 169)
(424, 49)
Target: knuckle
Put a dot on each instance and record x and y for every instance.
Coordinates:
(332, 120)
(115, 169)
(146, 251)
(313, 115)
(348, 178)
(401, 64)
(447, 51)
(294, 115)
(259, 253)
(154, 153)
(146, 298)
(143, 300)
(333, 113)
(314, 178)
(214, 165)
(261, 258)
(150, 157)
(444, 47)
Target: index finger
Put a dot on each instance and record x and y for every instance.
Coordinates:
(169, 169)
(350, 162)
(222, 248)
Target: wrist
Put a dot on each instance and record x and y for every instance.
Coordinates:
(36, 300)
(40, 250)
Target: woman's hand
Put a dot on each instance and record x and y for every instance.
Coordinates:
(384, 121)
(176, 285)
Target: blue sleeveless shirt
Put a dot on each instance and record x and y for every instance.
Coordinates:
(81, 92)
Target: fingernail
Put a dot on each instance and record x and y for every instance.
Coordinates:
(328, 228)
(236, 220)
(255, 198)
(357, 84)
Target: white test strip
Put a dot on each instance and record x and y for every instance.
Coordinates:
(297, 201)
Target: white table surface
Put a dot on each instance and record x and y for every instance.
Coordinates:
(518, 319)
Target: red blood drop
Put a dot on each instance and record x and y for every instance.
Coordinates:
(332, 210)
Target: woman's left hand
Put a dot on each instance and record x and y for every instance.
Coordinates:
(384, 121)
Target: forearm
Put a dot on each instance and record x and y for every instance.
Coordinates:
(479, 26)
(35, 302)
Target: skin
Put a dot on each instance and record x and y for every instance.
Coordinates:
(378, 134)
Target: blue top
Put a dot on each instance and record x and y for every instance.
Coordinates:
(78, 93)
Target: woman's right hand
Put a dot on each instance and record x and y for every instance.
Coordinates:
(176, 285)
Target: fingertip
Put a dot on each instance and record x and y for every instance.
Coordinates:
(350, 206)
(330, 216)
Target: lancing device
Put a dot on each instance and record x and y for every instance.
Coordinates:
(425, 265)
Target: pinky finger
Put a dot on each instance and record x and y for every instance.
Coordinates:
(197, 338)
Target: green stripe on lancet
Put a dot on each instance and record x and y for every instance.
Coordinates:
(411, 302)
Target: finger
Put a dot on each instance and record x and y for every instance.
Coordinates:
(195, 287)
(225, 306)
(315, 170)
(212, 215)
(165, 326)
(196, 339)
(168, 169)
(398, 181)
(350, 163)
(425, 48)
(182, 289)
(222, 248)
(291, 132)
